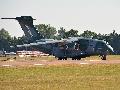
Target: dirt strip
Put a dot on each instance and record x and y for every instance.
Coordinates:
(17, 63)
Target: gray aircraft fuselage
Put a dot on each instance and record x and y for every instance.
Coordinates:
(74, 47)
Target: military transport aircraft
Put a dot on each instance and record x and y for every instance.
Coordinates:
(72, 47)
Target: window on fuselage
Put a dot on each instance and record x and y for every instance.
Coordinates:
(70, 45)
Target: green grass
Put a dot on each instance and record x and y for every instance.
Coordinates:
(68, 77)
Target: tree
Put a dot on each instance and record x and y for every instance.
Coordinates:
(4, 39)
(61, 33)
(114, 40)
(89, 34)
(4, 34)
(46, 31)
(71, 33)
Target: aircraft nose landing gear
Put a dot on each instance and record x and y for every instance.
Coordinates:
(103, 57)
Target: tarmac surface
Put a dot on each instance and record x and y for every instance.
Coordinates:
(32, 63)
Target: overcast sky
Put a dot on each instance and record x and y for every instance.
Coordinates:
(100, 16)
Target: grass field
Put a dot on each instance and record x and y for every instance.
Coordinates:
(67, 77)
(84, 77)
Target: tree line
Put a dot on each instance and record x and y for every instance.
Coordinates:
(50, 32)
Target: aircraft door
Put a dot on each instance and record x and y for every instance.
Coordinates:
(100, 48)
(73, 49)
(83, 44)
(91, 47)
(60, 50)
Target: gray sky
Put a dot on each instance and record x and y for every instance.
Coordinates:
(100, 16)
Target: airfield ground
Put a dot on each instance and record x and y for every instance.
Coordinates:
(47, 73)
(14, 61)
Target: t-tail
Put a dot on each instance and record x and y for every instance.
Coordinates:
(26, 23)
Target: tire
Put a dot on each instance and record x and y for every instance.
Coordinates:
(103, 57)
(78, 58)
(73, 58)
(59, 58)
(65, 58)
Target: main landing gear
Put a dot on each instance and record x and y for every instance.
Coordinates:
(65, 58)
(62, 58)
(76, 58)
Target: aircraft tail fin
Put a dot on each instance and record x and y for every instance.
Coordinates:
(26, 23)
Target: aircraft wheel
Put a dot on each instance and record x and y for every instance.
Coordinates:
(103, 57)
(59, 58)
(65, 58)
(78, 58)
(73, 58)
